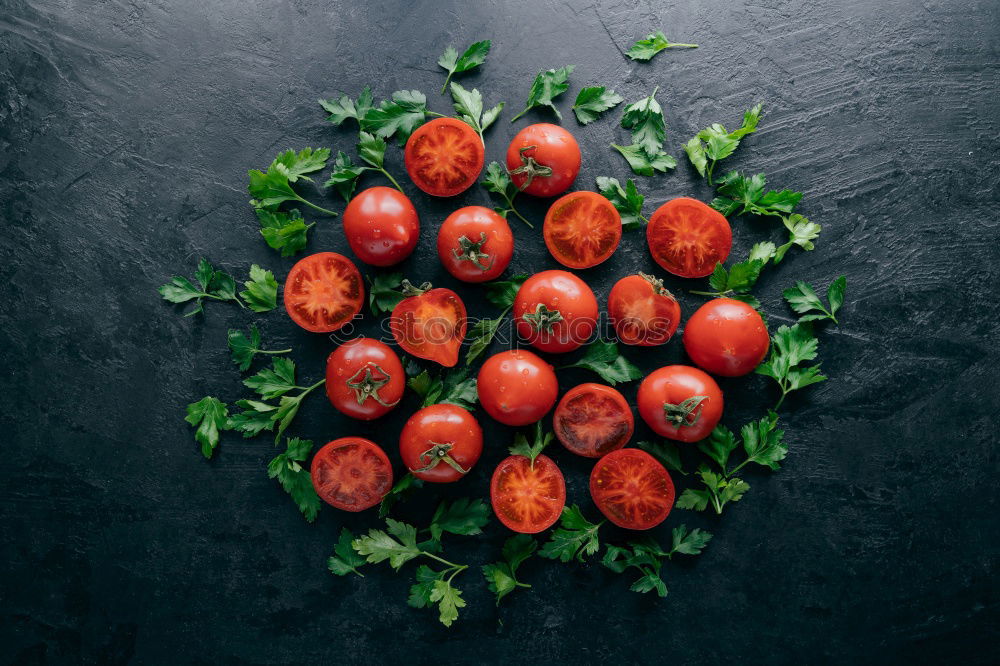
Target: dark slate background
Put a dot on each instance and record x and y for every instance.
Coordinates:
(127, 129)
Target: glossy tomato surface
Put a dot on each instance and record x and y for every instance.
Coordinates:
(351, 473)
(526, 497)
(444, 157)
(364, 378)
(555, 311)
(632, 489)
(441, 443)
(475, 244)
(642, 311)
(687, 238)
(323, 292)
(381, 226)
(592, 420)
(430, 325)
(582, 229)
(726, 337)
(680, 403)
(543, 160)
(517, 387)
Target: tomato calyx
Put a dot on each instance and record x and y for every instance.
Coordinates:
(439, 453)
(365, 385)
(409, 289)
(657, 284)
(473, 251)
(683, 414)
(543, 318)
(530, 168)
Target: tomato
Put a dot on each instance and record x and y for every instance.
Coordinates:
(642, 311)
(582, 229)
(351, 473)
(444, 157)
(441, 443)
(593, 419)
(543, 160)
(687, 238)
(381, 226)
(364, 378)
(632, 489)
(323, 292)
(475, 244)
(517, 387)
(527, 498)
(555, 311)
(430, 323)
(726, 337)
(680, 402)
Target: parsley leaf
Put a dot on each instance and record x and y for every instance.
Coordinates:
(294, 478)
(715, 143)
(449, 600)
(575, 538)
(790, 347)
(605, 359)
(344, 108)
(593, 101)
(345, 174)
(666, 452)
(284, 231)
(718, 491)
(455, 387)
(261, 293)
(498, 182)
(743, 195)
(801, 232)
(345, 559)
(472, 57)
(719, 445)
(464, 517)
(469, 106)
(400, 491)
(643, 164)
(763, 442)
(803, 299)
(627, 201)
(243, 349)
(405, 112)
(211, 416)
(645, 120)
(502, 576)
(531, 451)
(271, 383)
(271, 188)
(546, 87)
(481, 334)
(502, 293)
(397, 544)
(384, 294)
(651, 44)
(688, 542)
(217, 285)
(295, 165)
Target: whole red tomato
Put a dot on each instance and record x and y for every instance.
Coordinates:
(475, 244)
(517, 387)
(381, 226)
(429, 323)
(543, 160)
(726, 337)
(441, 443)
(555, 311)
(642, 311)
(364, 378)
(680, 402)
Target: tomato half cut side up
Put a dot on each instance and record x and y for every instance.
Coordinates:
(351, 473)
(582, 229)
(687, 238)
(632, 489)
(526, 498)
(323, 292)
(444, 157)
(592, 420)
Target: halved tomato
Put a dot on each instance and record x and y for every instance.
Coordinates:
(632, 489)
(642, 311)
(592, 420)
(582, 229)
(526, 497)
(351, 473)
(430, 323)
(444, 157)
(323, 292)
(687, 238)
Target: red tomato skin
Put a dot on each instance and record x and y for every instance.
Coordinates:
(545, 469)
(713, 228)
(673, 384)
(440, 340)
(726, 337)
(456, 150)
(517, 387)
(658, 482)
(584, 401)
(562, 291)
(605, 229)
(352, 294)
(441, 424)
(354, 450)
(555, 148)
(643, 313)
(350, 360)
(472, 222)
(381, 226)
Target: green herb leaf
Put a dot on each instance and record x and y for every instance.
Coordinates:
(469, 106)
(295, 165)
(473, 57)
(275, 381)
(397, 544)
(651, 44)
(498, 182)
(547, 85)
(643, 164)
(593, 101)
(715, 143)
(481, 334)
(261, 293)
(575, 538)
(764, 443)
(627, 201)
(270, 189)
(801, 232)
(502, 576)
(790, 347)
(666, 452)
(243, 349)
(345, 559)
(371, 149)
(294, 478)
(449, 600)
(455, 387)
(345, 173)
(211, 416)
(531, 451)
(804, 300)
(404, 113)
(463, 517)
(718, 491)
(344, 108)
(689, 543)
(645, 120)
(719, 445)
(643, 554)
(605, 359)
(502, 293)
(400, 491)
(216, 285)
(384, 294)
(284, 231)
(420, 592)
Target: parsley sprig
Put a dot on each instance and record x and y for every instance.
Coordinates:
(501, 293)
(454, 387)
(214, 284)
(469, 107)
(272, 188)
(646, 555)
(521, 447)
(345, 173)
(791, 346)
(644, 119)
(399, 115)
(210, 416)
(547, 85)
(502, 576)
(498, 181)
(270, 383)
(715, 143)
(653, 43)
(472, 57)
(803, 299)
(626, 200)
(243, 348)
(576, 538)
(592, 101)
(737, 282)
(287, 468)
(400, 491)
(606, 360)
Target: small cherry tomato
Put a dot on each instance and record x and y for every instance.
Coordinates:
(429, 323)
(351, 473)
(517, 387)
(543, 160)
(444, 157)
(364, 378)
(323, 292)
(726, 337)
(441, 443)
(381, 226)
(680, 402)
(555, 311)
(687, 238)
(632, 489)
(527, 497)
(642, 311)
(475, 244)
(592, 420)
(582, 229)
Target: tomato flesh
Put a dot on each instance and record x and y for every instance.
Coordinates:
(526, 498)
(444, 157)
(687, 238)
(642, 311)
(582, 229)
(323, 292)
(592, 420)
(431, 326)
(351, 473)
(632, 489)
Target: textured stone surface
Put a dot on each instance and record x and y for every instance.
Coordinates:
(126, 131)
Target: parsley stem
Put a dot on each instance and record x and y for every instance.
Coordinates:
(686, 46)
(520, 114)
(446, 80)
(510, 202)
(435, 113)
(784, 392)
(735, 469)
(319, 208)
(391, 179)
(709, 172)
(450, 565)
(272, 351)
